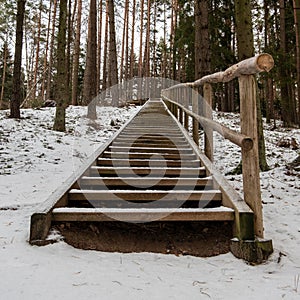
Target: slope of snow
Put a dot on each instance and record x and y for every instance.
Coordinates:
(34, 161)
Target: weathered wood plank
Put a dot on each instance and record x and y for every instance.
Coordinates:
(149, 195)
(137, 155)
(158, 139)
(149, 149)
(126, 171)
(207, 111)
(147, 163)
(146, 182)
(141, 215)
(250, 160)
(153, 144)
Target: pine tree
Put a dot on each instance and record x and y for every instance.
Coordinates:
(61, 79)
(245, 44)
(90, 76)
(76, 54)
(16, 94)
(113, 67)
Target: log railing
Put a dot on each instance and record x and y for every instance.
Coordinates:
(179, 97)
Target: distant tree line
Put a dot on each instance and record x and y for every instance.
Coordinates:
(71, 50)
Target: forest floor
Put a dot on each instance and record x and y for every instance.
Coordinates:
(34, 161)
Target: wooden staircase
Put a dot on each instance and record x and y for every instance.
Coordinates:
(150, 171)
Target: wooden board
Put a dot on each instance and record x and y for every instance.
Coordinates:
(147, 162)
(150, 195)
(141, 215)
(148, 182)
(126, 171)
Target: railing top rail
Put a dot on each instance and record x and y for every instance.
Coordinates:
(241, 140)
(261, 63)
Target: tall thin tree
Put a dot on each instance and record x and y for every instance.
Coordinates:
(61, 79)
(51, 50)
(132, 40)
(245, 45)
(296, 4)
(113, 63)
(90, 75)
(16, 95)
(76, 54)
(202, 43)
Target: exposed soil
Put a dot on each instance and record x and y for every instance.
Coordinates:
(192, 238)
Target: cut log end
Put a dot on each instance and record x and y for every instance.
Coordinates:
(247, 144)
(265, 62)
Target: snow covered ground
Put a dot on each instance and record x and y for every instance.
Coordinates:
(35, 160)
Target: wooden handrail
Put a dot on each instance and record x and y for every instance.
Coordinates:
(241, 140)
(247, 139)
(261, 63)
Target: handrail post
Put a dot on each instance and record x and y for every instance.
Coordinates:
(195, 105)
(207, 111)
(186, 105)
(175, 112)
(250, 159)
(180, 102)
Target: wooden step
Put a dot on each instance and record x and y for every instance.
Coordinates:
(147, 195)
(139, 155)
(147, 163)
(153, 144)
(164, 172)
(152, 129)
(162, 140)
(150, 150)
(151, 132)
(145, 141)
(151, 135)
(182, 183)
(141, 215)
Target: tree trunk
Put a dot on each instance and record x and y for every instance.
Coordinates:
(5, 54)
(147, 43)
(113, 64)
(61, 84)
(45, 68)
(16, 94)
(245, 44)
(244, 31)
(90, 75)
(51, 56)
(286, 101)
(125, 25)
(132, 41)
(174, 16)
(202, 48)
(76, 55)
(105, 67)
(296, 4)
(37, 54)
(141, 40)
(68, 51)
(99, 45)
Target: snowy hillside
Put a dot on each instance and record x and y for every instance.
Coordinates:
(34, 161)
